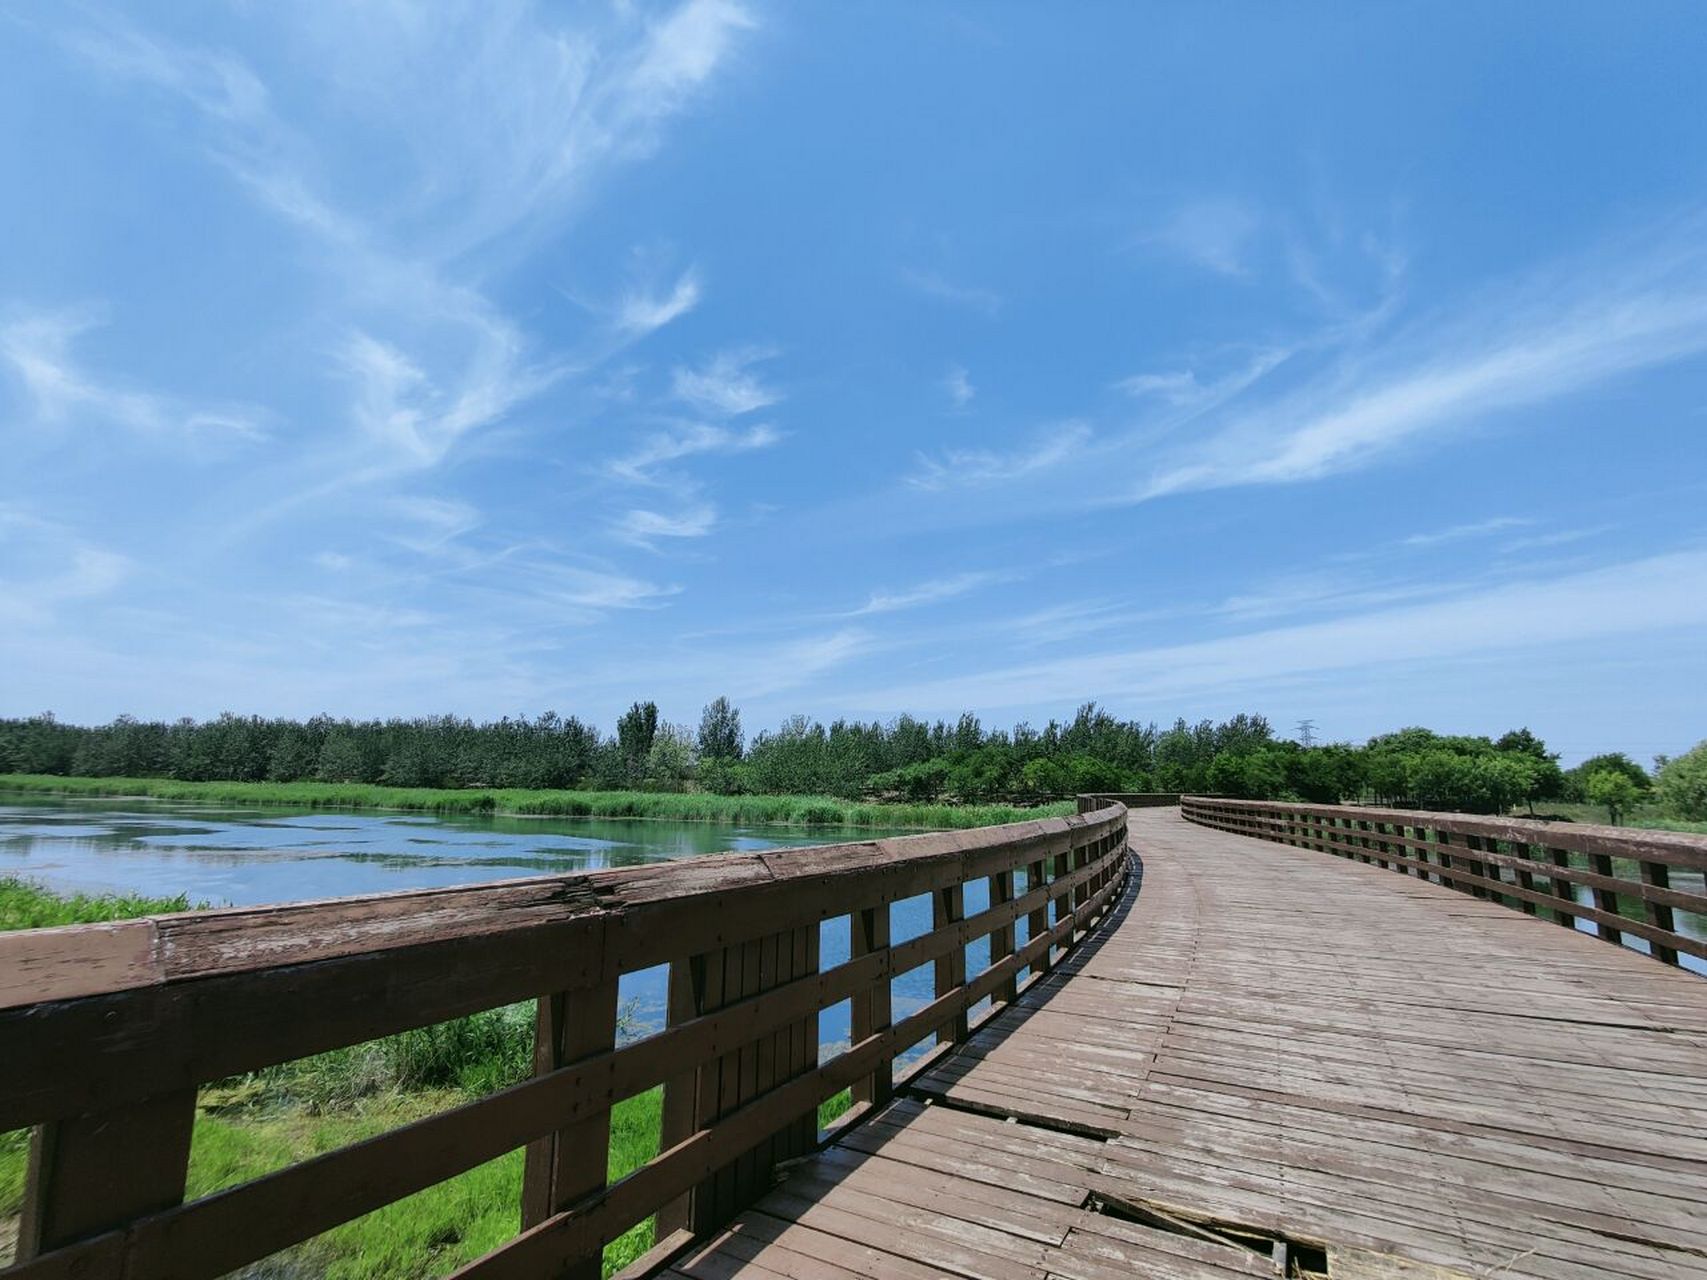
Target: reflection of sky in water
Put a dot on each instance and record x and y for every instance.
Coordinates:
(249, 856)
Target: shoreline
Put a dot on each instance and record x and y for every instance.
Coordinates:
(821, 812)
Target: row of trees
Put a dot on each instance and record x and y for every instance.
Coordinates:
(902, 758)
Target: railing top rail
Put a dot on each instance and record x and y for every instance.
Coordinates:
(1674, 848)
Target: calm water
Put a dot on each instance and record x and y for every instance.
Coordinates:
(242, 857)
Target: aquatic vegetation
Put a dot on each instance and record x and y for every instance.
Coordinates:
(768, 810)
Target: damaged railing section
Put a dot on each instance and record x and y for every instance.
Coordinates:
(107, 1031)
(1633, 888)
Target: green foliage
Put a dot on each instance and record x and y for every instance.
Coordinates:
(1576, 780)
(1612, 789)
(1682, 785)
(720, 736)
(27, 906)
(636, 730)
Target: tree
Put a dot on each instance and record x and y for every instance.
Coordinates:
(720, 731)
(1612, 789)
(670, 762)
(1576, 781)
(1682, 784)
(635, 732)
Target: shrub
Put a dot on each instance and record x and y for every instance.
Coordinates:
(1682, 784)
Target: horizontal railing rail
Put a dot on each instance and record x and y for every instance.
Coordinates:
(1129, 799)
(107, 1031)
(1536, 867)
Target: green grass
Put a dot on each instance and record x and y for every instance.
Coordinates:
(821, 811)
(28, 906)
(1646, 816)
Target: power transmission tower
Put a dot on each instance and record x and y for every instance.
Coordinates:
(1307, 732)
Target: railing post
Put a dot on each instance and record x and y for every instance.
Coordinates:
(1475, 866)
(872, 1008)
(1442, 854)
(681, 1092)
(1037, 923)
(1659, 914)
(1002, 937)
(1563, 889)
(94, 1173)
(1525, 877)
(564, 1166)
(948, 906)
(1063, 861)
(1605, 899)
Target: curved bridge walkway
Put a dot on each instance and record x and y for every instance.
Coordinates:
(1279, 1062)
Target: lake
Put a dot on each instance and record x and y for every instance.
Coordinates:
(242, 857)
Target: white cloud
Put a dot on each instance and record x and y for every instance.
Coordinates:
(1213, 234)
(1526, 348)
(1458, 532)
(644, 528)
(37, 346)
(725, 385)
(489, 121)
(933, 285)
(433, 522)
(414, 419)
(959, 386)
(1559, 538)
(931, 592)
(45, 565)
(686, 441)
(967, 468)
(1652, 595)
(641, 312)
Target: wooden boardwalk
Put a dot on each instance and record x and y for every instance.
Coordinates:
(1273, 1052)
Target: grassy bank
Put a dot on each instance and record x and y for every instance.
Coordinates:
(823, 811)
(27, 906)
(254, 1124)
(1646, 816)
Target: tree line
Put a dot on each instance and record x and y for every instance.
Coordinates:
(903, 758)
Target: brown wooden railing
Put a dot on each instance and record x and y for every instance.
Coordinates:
(106, 1032)
(1536, 867)
(1130, 799)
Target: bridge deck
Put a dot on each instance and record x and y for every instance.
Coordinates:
(1272, 1039)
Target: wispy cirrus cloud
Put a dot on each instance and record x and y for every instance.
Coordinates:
(645, 528)
(45, 565)
(1459, 532)
(1657, 594)
(489, 119)
(1525, 345)
(974, 467)
(1214, 234)
(933, 592)
(933, 284)
(640, 311)
(685, 441)
(959, 386)
(726, 385)
(37, 347)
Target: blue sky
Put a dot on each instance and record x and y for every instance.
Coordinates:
(1341, 362)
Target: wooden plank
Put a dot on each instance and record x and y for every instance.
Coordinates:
(573, 1161)
(89, 1174)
